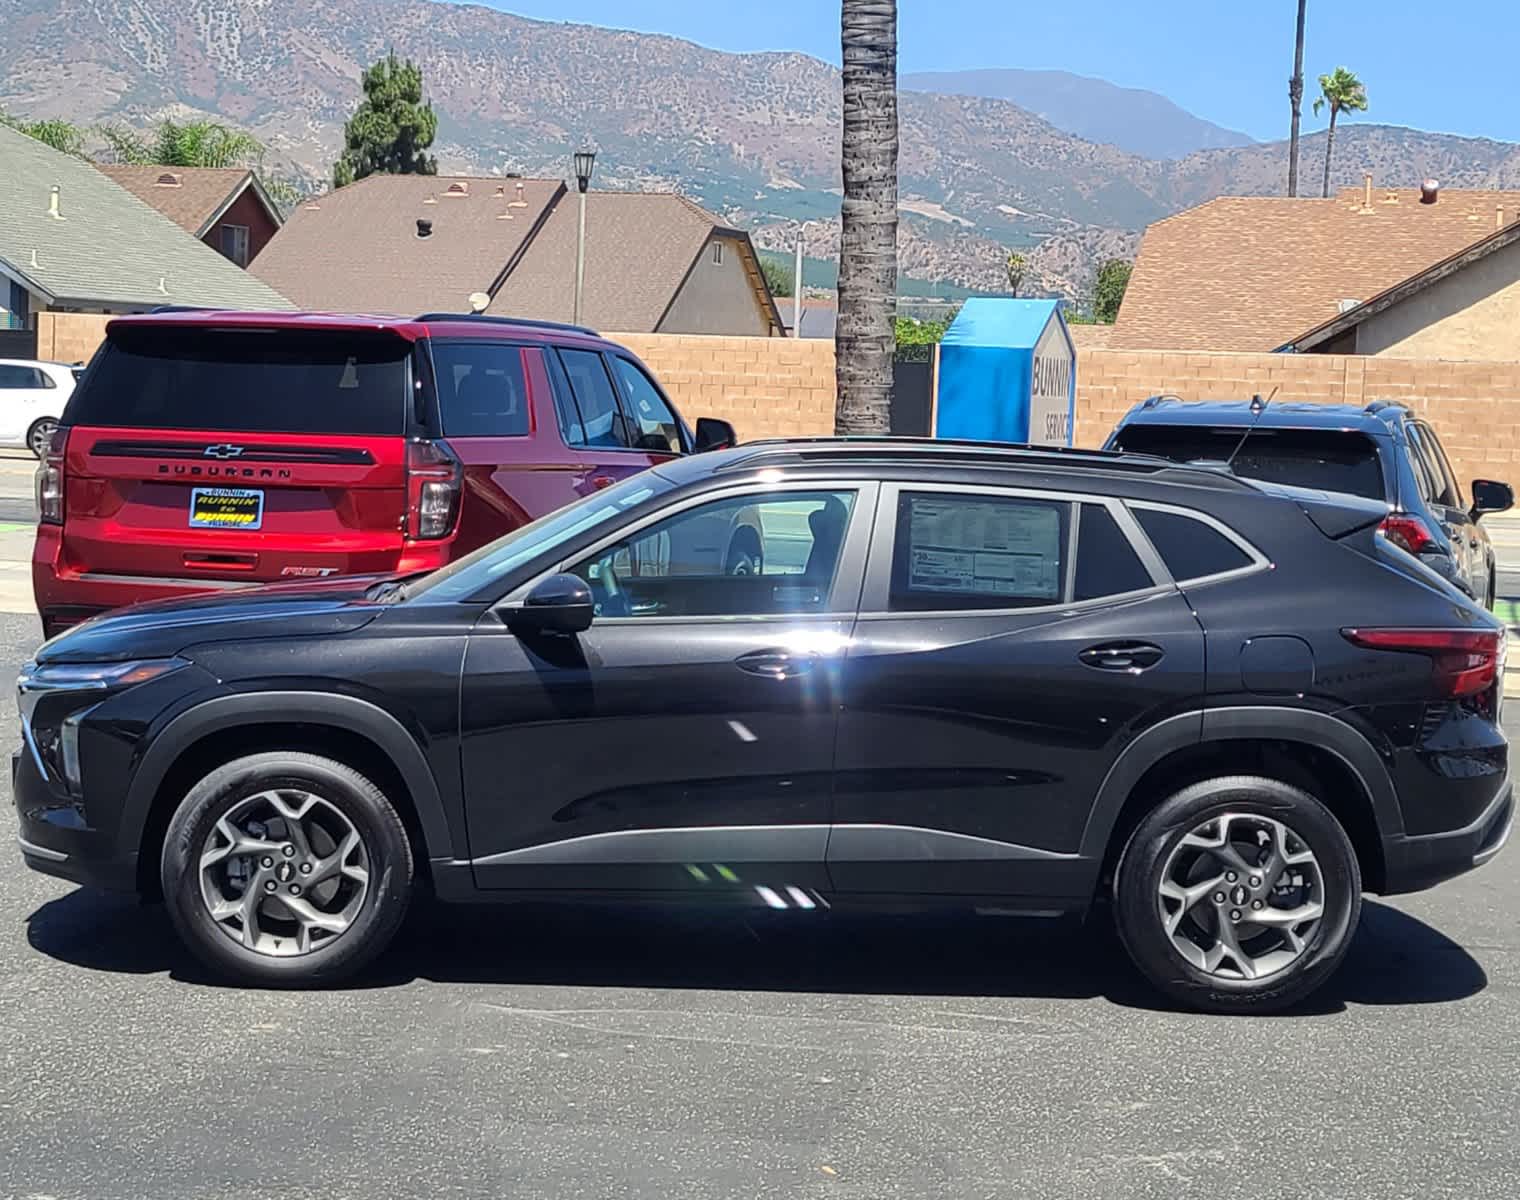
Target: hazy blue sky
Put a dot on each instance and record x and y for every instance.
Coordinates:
(1432, 65)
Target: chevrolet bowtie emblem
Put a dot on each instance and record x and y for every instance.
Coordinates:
(223, 451)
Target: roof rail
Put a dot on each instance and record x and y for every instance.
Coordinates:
(1378, 406)
(484, 319)
(949, 450)
(1152, 401)
(174, 308)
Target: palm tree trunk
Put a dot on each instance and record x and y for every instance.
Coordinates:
(1296, 99)
(1329, 149)
(864, 339)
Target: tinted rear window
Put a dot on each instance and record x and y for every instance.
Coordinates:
(1328, 460)
(482, 389)
(253, 381)
(1190, 548)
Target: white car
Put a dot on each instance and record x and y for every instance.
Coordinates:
(32, 396)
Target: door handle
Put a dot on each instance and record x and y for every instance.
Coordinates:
(1132, 657)
(776, 664)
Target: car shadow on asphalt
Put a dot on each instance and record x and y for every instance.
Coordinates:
(1395, 959)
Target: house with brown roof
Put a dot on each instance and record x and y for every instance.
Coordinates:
(1272, 273)
(655, 262)
(228, 209)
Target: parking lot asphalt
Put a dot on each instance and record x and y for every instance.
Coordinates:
(567, 1052)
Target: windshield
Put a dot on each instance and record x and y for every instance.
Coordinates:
(1325, 460)
(493, 564)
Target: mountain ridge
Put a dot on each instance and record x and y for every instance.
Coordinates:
(754, 137)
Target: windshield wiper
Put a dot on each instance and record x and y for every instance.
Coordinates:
(387, 591)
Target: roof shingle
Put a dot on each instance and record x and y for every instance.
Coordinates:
(107, 248)
(1252, 273)
(196, 195)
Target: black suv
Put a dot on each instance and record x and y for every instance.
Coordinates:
(1383, 452)
(953, 675)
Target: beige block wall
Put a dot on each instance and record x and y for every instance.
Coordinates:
(1474, 406)
(768, 387)
(69, 337)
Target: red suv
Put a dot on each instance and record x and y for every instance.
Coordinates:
(210, 449)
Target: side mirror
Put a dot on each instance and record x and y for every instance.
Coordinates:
(1490, 496)
(561, 604)
(713, 434)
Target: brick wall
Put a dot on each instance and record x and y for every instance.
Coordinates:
(768, 387)
(69, 337)
(1474, 406)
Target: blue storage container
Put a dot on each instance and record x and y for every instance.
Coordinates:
(1007, 373)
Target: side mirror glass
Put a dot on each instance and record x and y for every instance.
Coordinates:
(1490, 496)
(713, 434)
(561, 604)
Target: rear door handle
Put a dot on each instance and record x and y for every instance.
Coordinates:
(776, 664)
(1132, 657)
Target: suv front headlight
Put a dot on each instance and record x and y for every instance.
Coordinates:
(55, 697)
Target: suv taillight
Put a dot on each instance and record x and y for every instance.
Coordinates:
(433, 485)
(50, 480)
(1407, 533)
(1465, 662)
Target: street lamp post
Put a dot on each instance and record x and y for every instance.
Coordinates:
(585, 160)
(797, 282)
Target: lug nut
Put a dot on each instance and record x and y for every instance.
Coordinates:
(1256, 904)
(1231, 876)
(270, 886)
(289, 851)
(305, 868)
(295, 889)
(267, 861)
(1234, 914)
(1255, 880)
(1218, 897)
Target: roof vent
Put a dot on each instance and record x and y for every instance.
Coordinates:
(55, 195)
(431, 199)
(1430, 191)
(424, 227)
(167, 179)
(457, 188)
(501, 189)
(519, 202)
(1346, 306)
(163, 286)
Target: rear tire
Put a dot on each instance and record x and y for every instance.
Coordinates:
(40, 436)
(1205, 862)
(286, 869)
(745, 556)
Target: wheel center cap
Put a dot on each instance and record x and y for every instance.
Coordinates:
(1238, 896)
(285, 872)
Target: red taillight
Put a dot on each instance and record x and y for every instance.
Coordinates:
(1407, 533)
(433, 485)
(50, 480)
(1466, 662)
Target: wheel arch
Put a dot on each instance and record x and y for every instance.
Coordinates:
(342, 727)
(1311, 750)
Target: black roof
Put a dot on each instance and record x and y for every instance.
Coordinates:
(1169, 410)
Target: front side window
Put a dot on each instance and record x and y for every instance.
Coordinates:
(770, 554)
(597, 422)
(482, 388)
(1190, 548)
(655, 427)
(967, 552)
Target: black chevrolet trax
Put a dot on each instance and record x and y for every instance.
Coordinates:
(947, 675)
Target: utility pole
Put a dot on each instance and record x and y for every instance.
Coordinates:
(797, 282)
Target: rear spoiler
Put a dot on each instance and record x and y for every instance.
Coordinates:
(1335, 514)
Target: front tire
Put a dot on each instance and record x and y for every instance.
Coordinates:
(286, 869)
(1238, 894)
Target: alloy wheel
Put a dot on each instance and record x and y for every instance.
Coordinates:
(1241, 896)
(42, 437)
(284, 872)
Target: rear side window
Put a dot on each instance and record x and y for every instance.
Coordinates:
(594, 418)
(1107, 564)
(1327, 460)
(965, 552)
(256, 380)
(1190, 548)
(1442, 487)
(482, 389)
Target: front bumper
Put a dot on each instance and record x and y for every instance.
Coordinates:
(55, 838)
(1413, 863)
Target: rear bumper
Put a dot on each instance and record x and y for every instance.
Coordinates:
(1413, 863)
